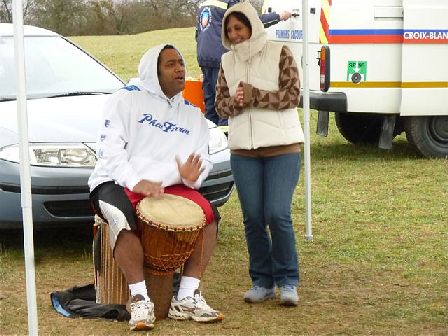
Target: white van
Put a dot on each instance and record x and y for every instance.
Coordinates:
(380, 65)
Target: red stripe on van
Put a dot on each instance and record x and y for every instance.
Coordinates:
(348, 39)
(324, 23)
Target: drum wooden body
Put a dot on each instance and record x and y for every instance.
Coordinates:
(111, 285)
(168, 228)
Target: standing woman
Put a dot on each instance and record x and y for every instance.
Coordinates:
(258, 91)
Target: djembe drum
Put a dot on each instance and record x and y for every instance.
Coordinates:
(110, 283)
(168, 228)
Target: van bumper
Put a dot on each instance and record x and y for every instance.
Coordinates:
(327, 101)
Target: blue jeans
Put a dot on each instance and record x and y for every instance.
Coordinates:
(209, 91)
(265, 188)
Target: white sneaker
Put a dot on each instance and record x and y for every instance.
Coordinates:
(289, 296)
(142, 314)
(193, 308)
(259, 294)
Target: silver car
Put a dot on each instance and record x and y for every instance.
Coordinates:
(66, 89)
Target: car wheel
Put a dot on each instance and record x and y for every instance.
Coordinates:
(428, 134)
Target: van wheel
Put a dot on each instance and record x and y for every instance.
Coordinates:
(359, 128)
(428, 134)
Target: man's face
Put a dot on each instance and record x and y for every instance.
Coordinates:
(171, 72)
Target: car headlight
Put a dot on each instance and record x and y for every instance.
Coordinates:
(218, 141)
(54, 155)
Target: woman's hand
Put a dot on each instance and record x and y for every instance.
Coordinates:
(149, 188)
(191, 169)
(239, 95)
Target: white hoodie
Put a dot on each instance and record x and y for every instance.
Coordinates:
(143, 131)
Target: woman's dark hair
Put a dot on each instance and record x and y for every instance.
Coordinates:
(240, 17)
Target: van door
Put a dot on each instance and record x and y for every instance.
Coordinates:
(425, 58)
(365, 42)
(425, 76)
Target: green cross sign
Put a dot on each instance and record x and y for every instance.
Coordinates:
(356, 71)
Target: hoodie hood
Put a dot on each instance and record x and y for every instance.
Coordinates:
(257, 40)
(147, 71)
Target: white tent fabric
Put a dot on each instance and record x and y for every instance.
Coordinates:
(306, 112)
(25, 176)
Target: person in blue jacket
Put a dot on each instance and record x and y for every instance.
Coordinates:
(210, 48)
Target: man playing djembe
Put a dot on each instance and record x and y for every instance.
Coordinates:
(152, 142)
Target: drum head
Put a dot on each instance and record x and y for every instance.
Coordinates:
(171, 212)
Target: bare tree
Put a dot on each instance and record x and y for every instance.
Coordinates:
(62, 16)
(98, 17)
(6, 10)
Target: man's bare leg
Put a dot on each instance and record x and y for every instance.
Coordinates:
(128, 254)
(196, 264)
(187, 305)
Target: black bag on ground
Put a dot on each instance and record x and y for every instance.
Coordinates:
(81, 302)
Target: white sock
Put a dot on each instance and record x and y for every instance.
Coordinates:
(139, 288)
(187, 287)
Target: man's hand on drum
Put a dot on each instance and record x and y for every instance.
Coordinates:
(191, 169)
(149, 188)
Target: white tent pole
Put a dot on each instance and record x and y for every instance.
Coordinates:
(25, 175)
(306, 112)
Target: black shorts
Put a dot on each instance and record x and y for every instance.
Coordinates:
(113, 194)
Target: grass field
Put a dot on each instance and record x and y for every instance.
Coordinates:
(377, 264)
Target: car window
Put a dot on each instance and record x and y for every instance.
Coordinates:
(54, 66)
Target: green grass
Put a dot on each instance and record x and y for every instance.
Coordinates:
(377, 264)
(122, 53)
